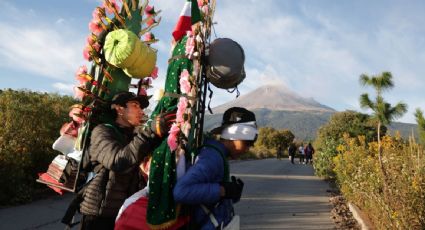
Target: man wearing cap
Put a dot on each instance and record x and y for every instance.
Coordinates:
(116, 151)
(207, 184)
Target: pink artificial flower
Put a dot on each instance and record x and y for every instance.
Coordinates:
(184, 82)
(190, 45)
(172, 142)
(151, 21)
(174, 129)
(96, 14)
(181, 109)
(149, 10)
(78, 94)
(95, 26)
(205, 9)
(201, 2)
(77, 115)
(79, 75)
(142, 91)
(86, 53)
(96, 46)
(110, 10)
(154, 74)
(148, 36)
(90, 39)
(179, 116)
(172, 138)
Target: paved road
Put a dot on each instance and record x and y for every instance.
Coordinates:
(277, 195)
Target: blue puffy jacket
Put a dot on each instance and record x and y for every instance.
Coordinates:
(201, 185)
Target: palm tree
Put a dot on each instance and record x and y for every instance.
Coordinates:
(421, 125)
(383, 112)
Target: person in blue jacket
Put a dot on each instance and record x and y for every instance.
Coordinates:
(207, 185)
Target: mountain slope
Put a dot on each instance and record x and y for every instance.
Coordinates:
(277, 107)
(275, 98)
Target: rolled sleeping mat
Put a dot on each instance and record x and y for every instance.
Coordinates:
(144, 64)
(121, 48)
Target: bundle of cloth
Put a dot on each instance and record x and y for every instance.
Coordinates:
(63, 169)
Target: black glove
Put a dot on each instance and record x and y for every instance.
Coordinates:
(161, 124)
(233, 189)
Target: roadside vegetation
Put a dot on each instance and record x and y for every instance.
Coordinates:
(384, 175)
(30, 124)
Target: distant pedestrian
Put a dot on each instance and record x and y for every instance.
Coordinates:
(301, 152)
(279, 152)
(291, 150)
(309, 151)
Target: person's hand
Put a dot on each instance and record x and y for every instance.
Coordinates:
(162, 122)
(233, 189)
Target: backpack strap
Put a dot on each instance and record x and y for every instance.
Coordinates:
(226, 176)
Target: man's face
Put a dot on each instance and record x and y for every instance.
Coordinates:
(240, 147)
(133, 114)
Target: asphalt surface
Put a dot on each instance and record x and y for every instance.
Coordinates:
(277, 195)
(281, 195)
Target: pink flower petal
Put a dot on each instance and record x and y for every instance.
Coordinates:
(150, 22)
(149, 10)
(96, 46)
(79, 75)
(95, 26)
(78, 94)
(90, 39)
(154, 73)
(142, 91)
(113, 4)
(185, 86)
(86, 53)
(172, 142)
(148, 36)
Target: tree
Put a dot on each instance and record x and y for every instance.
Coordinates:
(330, 136)
(383, 112)
(271, 138)
(351, 122)
(421, 125)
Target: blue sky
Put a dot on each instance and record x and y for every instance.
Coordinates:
(314, 48)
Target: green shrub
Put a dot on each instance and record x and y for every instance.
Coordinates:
(323, 163)
(30, 124)
(361, 181)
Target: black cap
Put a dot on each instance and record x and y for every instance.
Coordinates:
(237, 115)
(234, 115)
(123, 97)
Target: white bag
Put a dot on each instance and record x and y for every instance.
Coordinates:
(234, 224)
(64, 144)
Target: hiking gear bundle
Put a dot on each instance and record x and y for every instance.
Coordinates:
(226, 63)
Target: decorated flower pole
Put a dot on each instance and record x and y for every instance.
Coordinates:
(117, 55)
(184, 93)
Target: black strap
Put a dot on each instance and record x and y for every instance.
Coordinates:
(210, 97)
